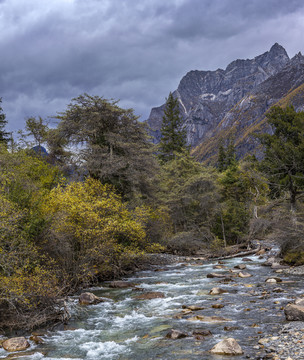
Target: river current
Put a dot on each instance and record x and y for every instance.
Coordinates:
(129, 328)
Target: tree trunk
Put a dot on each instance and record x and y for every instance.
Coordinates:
(223, 230)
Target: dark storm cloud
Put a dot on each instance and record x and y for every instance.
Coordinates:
(135, 50)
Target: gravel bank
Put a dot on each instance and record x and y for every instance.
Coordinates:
(289, 344)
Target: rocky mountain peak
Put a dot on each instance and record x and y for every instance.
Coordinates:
(298, 58)
(207, 98)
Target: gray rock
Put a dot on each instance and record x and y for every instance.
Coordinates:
(227, 347)
(88, 298)
(121, 284)
(176, 334)
(294, 312)
(216, 291)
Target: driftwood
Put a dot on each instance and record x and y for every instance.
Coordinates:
(244, 253)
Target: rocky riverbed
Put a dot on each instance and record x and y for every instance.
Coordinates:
(182, 309)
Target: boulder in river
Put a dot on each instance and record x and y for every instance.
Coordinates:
(121, 284)
(15, 344)
(273, 280)
(227, 347)
(176, 334)
(216, 291)
(193, 307)
(216, 275)
(150, 295)
(295, 312)
(88, 298)
(200, 334)
(244, 274)
(240, 266)
(246, 259)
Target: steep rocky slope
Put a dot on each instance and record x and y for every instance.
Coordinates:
(232, 102)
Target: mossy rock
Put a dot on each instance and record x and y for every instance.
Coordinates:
(294, 258)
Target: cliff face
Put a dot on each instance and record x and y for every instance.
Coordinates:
(217, 104)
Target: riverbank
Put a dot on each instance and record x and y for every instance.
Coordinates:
(130, 322)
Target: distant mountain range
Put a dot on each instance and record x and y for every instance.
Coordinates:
(231, 103)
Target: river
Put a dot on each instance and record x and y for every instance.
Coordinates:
(129, 328)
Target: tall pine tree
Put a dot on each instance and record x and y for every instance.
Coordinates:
(173, 135)
(3, 134)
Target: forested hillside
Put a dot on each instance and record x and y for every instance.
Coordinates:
(86, 200)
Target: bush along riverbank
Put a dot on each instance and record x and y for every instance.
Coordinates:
(237, 306)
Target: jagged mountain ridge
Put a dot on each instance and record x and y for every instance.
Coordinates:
(216, 104)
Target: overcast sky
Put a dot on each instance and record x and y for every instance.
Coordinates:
(133, 50)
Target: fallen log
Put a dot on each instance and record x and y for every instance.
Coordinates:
(244, 253)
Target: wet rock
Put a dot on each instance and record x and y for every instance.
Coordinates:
(209, 319)
(218, 306)
(278, 290)
(218, 267)
(88, 298)
(270, 261)
(36, 339)
(273, 280)
(121, 284)
(294, 312)
(261, 252)
(193, 307)
(216, 275)
(15, 344)
(263, 341)
(201, 334)
(150, 295)
(176, 334)
(231, 328)
(217, 291)
(138, 289)
(226, 280)
(227, 347)
(240, 266)
(244, 274)
(246, 259)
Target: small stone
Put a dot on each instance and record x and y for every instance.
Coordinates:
(176, 334)
(271, 281)
(263, 341)
(216, 291)
(36, 339)
(215, 275)
(244, 275)
(240, 266)
(218, 306)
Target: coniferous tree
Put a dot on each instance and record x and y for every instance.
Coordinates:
(221, 160)
(284, 152)
(226, 155)
(173, 135)
(113, 145)
(3, 134)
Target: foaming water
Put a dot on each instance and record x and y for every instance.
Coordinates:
(134, 328)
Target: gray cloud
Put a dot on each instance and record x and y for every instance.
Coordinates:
(135, 50)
